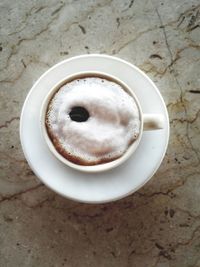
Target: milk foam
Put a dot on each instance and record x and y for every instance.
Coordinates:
(113, 124)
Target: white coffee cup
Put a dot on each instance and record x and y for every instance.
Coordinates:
(148, 122)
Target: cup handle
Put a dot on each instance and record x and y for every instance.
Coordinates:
(153, 122)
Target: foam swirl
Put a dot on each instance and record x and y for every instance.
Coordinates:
(113, 122)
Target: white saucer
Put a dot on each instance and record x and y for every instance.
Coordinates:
(106, 186)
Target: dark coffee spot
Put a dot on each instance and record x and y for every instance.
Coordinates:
(79, 114)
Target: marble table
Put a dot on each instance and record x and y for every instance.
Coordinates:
(158, 226)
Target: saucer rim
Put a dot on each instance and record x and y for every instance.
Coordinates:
(167, 129)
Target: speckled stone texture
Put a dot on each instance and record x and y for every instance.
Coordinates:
(158, 226)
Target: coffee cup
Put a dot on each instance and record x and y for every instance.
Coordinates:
(148, 122)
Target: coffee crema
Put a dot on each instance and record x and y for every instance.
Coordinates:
(92, 120)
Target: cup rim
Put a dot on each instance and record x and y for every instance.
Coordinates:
(89, 168)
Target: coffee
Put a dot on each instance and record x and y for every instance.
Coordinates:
(92, 120)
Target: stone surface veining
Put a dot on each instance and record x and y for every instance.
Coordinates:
(158, 226)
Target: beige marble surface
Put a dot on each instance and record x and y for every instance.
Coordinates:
(159, 226)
